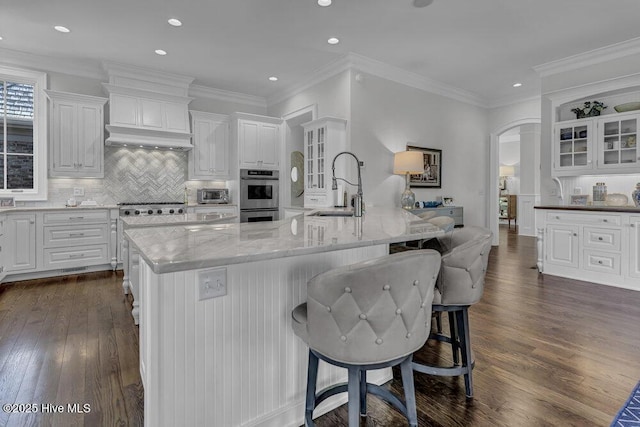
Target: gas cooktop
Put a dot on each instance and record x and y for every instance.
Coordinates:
(151, 208)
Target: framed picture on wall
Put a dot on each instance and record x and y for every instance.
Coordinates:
(432, 176)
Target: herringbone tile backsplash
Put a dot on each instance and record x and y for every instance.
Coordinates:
(138, 175)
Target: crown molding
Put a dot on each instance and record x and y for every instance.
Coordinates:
(74, 67)
(382, 70)
(321, 74)
(398, 75)
(596, 56)
(199, 91)
(508, 101)
(561, 96)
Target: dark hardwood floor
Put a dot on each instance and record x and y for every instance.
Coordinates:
(549, 352)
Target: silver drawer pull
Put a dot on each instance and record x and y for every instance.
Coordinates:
(605, 220)
(76, 255)
(76, 217)
(600, 238)
(575, 234)
(600, 262)
(76, 234)
(557, 217)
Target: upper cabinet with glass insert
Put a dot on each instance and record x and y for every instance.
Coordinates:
(617, 143)
(573, 151)
(600, 145)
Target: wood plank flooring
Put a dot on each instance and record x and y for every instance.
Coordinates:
(549, 352)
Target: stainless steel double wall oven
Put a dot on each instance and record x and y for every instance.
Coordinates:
(259, 191)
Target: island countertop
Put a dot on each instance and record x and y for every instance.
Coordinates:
(188, 247)
(179, 219)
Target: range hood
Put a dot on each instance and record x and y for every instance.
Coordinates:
(147, 108)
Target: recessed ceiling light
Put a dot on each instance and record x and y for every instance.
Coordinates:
(161, 52)
(422, 3)
(333, 40)
(61, 29)
(324, 3)
(517, 84)
(0, 37)
(175, 22)
(273, 78)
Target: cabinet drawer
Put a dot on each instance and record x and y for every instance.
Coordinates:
(602, 262)
(575, 218)
(76, 217)
(601, 238)
(62, 235)
(79, 256)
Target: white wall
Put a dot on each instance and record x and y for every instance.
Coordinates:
(386, 116)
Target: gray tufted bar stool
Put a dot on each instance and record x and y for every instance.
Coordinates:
(460, 284)
(369, 315)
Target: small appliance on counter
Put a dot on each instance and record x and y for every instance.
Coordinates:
(213, 195)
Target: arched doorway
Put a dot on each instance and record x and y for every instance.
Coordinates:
(529, 167)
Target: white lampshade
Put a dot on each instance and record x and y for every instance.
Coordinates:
(507, 170)
(408, 162)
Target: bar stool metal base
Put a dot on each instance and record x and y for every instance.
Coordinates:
(460, 347)
(357, 388)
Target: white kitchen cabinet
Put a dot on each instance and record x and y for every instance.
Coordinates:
(57, 242)
(209, 158)
(634, 247)
(77, 135)
(323, 140)
(617, 146)
(601, 145)
(3, 247)
(259, 140)
(595, 246)
(562, 245)
(21, 242)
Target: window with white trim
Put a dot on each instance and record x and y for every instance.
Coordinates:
(22, 134)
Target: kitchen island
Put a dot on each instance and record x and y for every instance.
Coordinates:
(130, 256)
(233, 359)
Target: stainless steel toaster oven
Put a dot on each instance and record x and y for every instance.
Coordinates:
(213, 195)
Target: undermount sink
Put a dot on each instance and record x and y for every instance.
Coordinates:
(332, 213)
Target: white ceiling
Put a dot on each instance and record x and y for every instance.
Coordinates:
(481, 47)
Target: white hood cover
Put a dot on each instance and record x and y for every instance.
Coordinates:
(147, 138)
(148, 109)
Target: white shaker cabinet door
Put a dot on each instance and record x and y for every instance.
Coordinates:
(562, 245)
(634, 246)
(21, 242)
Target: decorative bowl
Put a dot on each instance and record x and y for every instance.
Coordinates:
(629, 106)
(617, 199)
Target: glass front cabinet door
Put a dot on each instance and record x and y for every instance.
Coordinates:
(573, 147)
(617, 142)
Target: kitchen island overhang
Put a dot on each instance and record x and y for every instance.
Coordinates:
(234, 360)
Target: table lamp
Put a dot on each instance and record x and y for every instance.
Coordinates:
(407, 163)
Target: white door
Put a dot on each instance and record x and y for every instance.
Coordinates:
(21, 241)
(634, 246)
(269, 143)
(64, 137)
(248, 140)
(90, 143)
(562, 245)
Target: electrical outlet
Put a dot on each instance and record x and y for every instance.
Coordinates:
(78, 191)
(212, 283)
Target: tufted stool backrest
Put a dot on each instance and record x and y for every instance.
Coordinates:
(466, 233)
(461, 279)
(373, 311)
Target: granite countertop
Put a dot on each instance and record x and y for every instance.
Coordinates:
(189, 247)
(54, 208)
(172, 220)
(591, 208)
